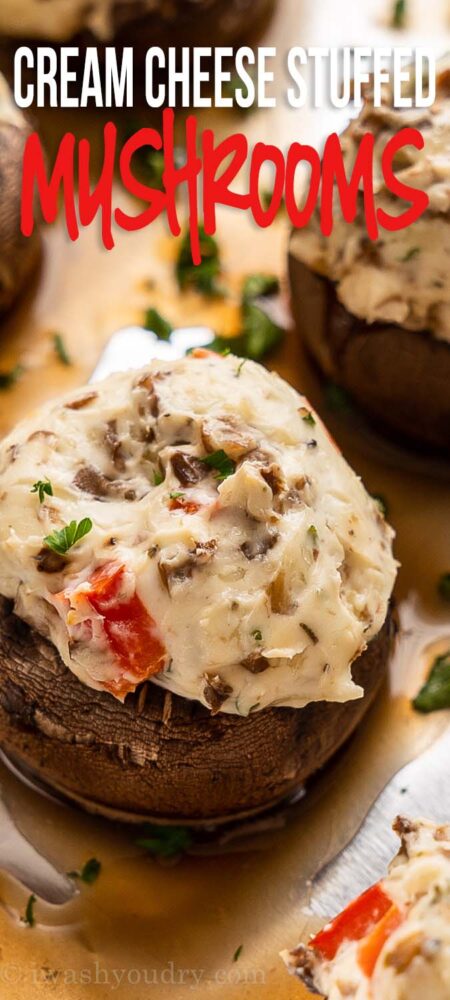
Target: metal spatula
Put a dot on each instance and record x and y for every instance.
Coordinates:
(23, 861)
(420, 789)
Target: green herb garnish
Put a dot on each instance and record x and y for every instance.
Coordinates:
(63, 540)
(435, 693)
(8, 379)
(220, 461)
(312, 532)
(410, 254)
(257, 635)
(238, 953)
(61, 349)
(29, 918)
(381, 503)
(444, 586)
(42, 487)
(257, 285)
(307, 416)
(157, 324)
(336, 398)
(399, 14)
(89, 872)
(202, 277)
(236, 83)
(165, 841)
(266, 198)
(176, 495)
(152, 164)
(259, 333)
(158, 478)
(240, 367)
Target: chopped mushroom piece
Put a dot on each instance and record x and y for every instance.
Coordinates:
(216, 691)
(229, 434)
(188, 469)
(256, 663)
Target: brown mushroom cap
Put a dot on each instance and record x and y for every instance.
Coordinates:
(19, 255)
(159, 755)
(399, 377)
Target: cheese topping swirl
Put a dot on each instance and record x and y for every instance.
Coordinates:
(403, 277)
(234, 557)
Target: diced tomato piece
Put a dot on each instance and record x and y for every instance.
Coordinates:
(353, 923)
(182, 503)
(370, 949)
(203, 352)
(131, 631)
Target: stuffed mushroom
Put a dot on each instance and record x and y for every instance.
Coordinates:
(376, 315)
(393, 942)
(197, 568)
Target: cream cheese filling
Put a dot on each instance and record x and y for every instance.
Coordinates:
(403, 277)
(261, 588)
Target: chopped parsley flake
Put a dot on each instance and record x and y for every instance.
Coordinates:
(399, 14)
(176, 495)
(89, 872)
(336, 398)
(381, 503)
(158, 478)
(63, 540)
(42, 487)
(238, 953)
(410, 254)
(220, 461)
(444, 586)
(8, 379)
(257, 285)
(257, 635)
(157, 324)
(29, 918)
(312, 532)
(307, 416)
(202, 277)
(61, 350)
(435, 693)
(165, 841)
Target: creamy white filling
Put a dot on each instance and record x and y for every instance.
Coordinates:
(403, 277)
(270, 588)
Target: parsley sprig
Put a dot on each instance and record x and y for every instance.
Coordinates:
(29, 918)
(435, 693)
(89, 872)
(61, 349)
(42, 487)
(444, 586)
(165, 841)
(202, 277)
(157, 324)
(9, 378)
(63, 540)
(222, 463)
